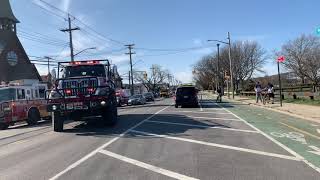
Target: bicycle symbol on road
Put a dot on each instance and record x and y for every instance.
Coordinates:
(295, 136)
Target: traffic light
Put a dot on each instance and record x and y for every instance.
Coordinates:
(145, 76)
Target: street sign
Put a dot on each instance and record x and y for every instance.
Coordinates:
(281, 59)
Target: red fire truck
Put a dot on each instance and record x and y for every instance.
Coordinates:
(22, 100)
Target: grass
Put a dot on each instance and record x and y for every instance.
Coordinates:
(315, 102)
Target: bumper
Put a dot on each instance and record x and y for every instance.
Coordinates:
(77, 106)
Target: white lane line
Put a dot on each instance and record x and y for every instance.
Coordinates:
(298, 156)
(77, 163)
(318, 130)
(147, 166)
(221, 146)
(202, 126)
(203, 112)
(211, 118)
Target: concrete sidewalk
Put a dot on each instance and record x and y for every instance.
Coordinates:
(311, 113)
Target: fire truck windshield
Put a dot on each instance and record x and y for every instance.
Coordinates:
(85, 70)
(7, 94)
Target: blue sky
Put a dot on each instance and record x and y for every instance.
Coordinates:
(165, 24)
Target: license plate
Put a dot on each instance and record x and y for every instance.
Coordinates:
(185, 97)
(76, 106)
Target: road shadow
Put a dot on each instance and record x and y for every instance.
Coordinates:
(149, 104)
(128, 121)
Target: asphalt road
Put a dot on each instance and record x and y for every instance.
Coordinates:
(154, 141)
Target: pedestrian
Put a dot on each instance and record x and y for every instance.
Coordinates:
(271, 92)
(258, 90)
(219, 93)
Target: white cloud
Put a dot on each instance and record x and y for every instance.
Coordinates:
(184, 76)
(65, 5)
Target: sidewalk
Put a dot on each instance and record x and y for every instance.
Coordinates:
(311, 113)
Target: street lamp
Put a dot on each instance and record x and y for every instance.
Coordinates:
(230, 62)
(84, 51)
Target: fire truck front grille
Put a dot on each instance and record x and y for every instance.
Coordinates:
(79, 87)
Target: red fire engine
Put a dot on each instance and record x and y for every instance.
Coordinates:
(22, 100)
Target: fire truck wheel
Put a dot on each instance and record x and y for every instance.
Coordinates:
(110, 115)
(57, 122)
(4, 126)
(33, 116)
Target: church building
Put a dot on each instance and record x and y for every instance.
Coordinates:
(14, 62)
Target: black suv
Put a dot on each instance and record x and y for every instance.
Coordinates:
(86, 89)
(186, 96)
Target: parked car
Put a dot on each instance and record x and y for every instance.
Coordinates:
(137, 99)
(186, 96)
(149, 96)
(122, 97)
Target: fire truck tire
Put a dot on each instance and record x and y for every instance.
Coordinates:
(57, 122)
(4, 126)
(33, 116)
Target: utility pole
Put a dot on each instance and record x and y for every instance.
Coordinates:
(130, 46)
(218, 67)
(69, 30)
(231, 70)
(48, 59)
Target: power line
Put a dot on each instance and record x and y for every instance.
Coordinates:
(40, 39)
(47, 10)
(98, 35)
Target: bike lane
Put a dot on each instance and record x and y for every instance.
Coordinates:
(299, 135)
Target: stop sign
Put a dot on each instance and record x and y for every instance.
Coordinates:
(281, 59)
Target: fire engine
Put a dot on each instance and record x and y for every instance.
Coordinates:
(86, 89)
(22, 100)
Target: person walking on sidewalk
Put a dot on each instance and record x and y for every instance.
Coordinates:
(219, 93)
(271, 92)
(258, 90)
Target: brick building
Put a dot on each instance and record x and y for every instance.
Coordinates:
(14, 62)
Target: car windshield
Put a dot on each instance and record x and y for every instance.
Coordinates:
(85, 70)
(147, 94)
(7, 94)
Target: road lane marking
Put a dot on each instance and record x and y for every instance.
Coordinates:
(77, 163)
(298, 156)
(302, 131)
(318, 130)
(315, 149)
(203, 126)
(203, 112)
(147, 166)
(211, 118)
(221, 146)
(200, 107)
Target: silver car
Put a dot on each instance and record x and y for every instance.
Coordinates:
(137, 99)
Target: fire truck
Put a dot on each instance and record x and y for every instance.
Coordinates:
(86, 89)
(22, 100)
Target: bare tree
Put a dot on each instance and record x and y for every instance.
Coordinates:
(153, 79)
(302, 57)
(247, 57)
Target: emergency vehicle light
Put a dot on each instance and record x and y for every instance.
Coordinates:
(84, 62)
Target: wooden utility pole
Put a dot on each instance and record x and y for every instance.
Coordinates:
(130, 46)
(69, 30)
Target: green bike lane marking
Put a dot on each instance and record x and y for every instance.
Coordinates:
(299, 135)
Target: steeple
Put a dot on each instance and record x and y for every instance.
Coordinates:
(7, 19)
